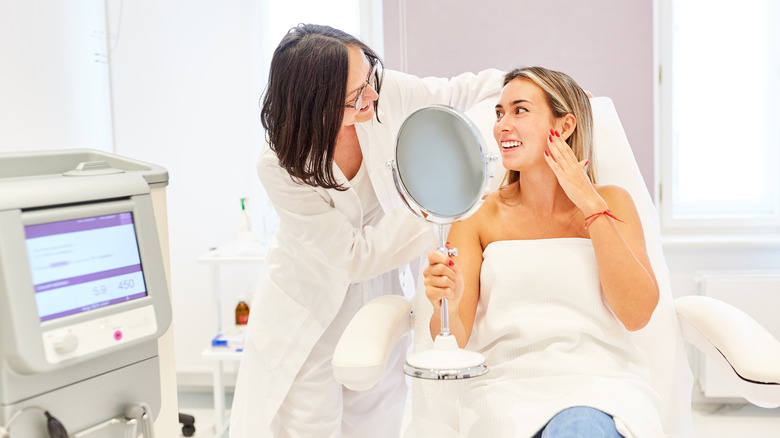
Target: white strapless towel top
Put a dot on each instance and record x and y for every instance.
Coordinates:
(551, 342)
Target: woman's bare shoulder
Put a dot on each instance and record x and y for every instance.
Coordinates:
(482, 216)
(614, 194)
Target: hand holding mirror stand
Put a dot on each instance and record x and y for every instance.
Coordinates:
(446, 361)
(440, 168)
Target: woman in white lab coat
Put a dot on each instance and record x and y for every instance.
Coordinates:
(343, 237)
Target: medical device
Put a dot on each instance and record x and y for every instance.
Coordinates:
(83, 294)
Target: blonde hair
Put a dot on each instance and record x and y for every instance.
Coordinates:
(564, 96)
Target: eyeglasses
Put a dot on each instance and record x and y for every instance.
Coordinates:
(370, 81)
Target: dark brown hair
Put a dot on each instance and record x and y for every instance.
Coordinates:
(303, 104)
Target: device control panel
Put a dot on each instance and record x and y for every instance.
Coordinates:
(86, 337)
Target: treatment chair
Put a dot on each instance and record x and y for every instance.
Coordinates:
(748, 352)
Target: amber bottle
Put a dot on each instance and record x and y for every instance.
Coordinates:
(242, 312)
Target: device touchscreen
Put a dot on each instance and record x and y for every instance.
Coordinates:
(83, 264)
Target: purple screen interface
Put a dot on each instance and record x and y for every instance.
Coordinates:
(83, 264)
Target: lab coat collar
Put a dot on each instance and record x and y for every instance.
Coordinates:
(347, 200)
(376, 158)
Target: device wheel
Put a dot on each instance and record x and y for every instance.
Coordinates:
(188, 424)
(188, 430)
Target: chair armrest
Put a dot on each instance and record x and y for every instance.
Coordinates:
(736, 342)
(361, 355)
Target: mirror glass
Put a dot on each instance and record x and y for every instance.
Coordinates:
(440, 163)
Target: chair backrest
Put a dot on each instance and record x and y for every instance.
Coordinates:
(661, 340)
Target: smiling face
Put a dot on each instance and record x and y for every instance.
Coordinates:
(359, 71)
(523, 122)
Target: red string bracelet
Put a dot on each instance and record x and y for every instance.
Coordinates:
(589, 220)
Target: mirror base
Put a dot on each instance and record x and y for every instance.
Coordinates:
(445, 362)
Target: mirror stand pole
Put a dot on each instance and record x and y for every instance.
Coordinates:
(445, 315)
(445, 361)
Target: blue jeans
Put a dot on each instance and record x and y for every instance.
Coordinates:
(578, 422)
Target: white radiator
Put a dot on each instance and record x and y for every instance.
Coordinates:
(755, 292)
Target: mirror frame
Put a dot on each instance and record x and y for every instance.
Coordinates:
(487, 169)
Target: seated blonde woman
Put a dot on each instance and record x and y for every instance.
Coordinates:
(552, 276)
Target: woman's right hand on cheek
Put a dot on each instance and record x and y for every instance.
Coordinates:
(443, 279)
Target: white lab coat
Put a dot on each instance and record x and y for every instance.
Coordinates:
(321, 247)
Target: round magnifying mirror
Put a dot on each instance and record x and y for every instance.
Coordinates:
(441, 167)
(441, 170)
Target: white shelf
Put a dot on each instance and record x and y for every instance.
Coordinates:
(213, 258)
(221, 353)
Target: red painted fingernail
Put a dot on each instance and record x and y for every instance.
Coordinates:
(452, 263)
(549, 138)
(586, 162)
(546, 154)
(557, 134)
(551, 131)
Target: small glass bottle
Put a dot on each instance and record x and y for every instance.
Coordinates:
(242, 312)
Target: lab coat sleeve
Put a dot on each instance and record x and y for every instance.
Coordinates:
(327, 236)
(460, 92)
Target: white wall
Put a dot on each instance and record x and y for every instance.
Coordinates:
(53, 75)
(187, 81)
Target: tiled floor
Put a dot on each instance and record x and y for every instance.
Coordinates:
(710, 421)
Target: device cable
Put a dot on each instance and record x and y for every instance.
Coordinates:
(56, 429)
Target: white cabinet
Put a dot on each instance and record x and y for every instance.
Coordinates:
(220, 355)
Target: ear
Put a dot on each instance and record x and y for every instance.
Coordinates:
(566, 125)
